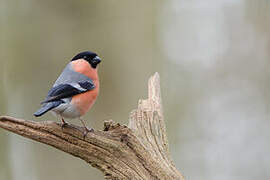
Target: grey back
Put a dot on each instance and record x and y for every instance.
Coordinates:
(69, 76)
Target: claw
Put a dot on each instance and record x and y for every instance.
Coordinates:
(86, 131)
(64, 123)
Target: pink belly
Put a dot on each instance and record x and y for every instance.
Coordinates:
(83, 102)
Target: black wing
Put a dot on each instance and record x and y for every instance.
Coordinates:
(62, 91)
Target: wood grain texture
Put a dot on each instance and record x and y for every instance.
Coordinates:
(137, 151)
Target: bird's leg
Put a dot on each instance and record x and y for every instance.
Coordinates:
(64, 123)
(86, 129)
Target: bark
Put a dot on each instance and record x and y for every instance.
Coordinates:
(137, 151)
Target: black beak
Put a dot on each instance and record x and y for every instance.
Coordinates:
(96, 60)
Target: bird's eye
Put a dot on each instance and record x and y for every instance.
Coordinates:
(84, 57)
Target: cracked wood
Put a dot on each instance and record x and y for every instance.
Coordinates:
(137, 151)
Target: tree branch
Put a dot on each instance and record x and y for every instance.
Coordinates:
(139, 151)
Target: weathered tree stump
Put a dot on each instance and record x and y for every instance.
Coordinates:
(137, 151)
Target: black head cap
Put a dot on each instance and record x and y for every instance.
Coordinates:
(89, 56)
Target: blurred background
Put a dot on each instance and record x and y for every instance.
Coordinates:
(213, 58)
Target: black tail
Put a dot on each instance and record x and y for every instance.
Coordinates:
(46, 107)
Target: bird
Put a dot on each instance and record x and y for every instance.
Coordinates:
(75, 90)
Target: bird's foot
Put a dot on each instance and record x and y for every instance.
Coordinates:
(64, 124)
(86, 131)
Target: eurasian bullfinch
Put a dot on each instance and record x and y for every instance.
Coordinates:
(75, 90)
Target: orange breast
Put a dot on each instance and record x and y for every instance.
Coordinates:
(85, 101)
(82, 66)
